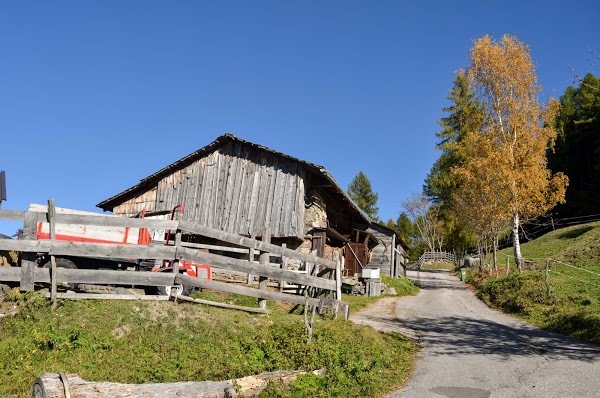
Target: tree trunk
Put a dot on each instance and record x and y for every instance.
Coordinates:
(495, 256)
(516, 243)
(54, 385)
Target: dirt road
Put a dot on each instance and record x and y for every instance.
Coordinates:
(472, 351)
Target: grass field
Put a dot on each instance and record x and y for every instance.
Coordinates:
(141, 342)
(573, 305)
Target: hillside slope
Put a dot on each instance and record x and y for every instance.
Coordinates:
(570, 302)
(160, 342)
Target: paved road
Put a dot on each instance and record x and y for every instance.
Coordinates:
(472, 351)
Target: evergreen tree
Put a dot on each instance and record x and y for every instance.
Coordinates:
(577, 150)
(463, 115)
(405, 228)
(362, 194)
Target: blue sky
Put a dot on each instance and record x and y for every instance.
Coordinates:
(96, 95)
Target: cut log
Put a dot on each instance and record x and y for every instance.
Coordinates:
(55, 385)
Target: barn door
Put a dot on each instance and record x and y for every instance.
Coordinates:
(352, 264)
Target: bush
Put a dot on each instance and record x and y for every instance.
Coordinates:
(516, 293)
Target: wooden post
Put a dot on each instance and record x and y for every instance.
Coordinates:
(338, 277)
(393, 267)
(547, 280)
(52, 229)
(251, 260)
(28, 263)
(176, 279)
(264, 260)
(284, 267)
(507, 265)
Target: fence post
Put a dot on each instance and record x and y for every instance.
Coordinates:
(52, 230)
(264, 260)
(251, 260)
(547, 280)
(28, 263)
(338, 276)
(507, 265)
(393, 269)
(283, 267)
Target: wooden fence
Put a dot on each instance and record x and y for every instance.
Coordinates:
(437, 256)
(322, 280)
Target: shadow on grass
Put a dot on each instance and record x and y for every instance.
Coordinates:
(574, 233)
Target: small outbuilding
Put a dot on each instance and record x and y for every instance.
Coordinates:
(390, 254)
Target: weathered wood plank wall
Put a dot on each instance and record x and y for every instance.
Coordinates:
(237, 189)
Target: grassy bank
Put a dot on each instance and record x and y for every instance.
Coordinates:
(573, 305)
(135, 342)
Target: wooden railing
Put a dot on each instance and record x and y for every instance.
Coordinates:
(437, 256)
(324, 275)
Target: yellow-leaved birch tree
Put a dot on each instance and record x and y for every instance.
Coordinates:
(519, 128)
(477, 201)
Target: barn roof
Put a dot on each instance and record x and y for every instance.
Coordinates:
(151, 180)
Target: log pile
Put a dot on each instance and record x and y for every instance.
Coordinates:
(59, 385)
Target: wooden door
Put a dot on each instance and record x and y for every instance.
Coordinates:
(355, 252)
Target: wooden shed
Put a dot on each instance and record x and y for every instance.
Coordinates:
(240, 187)
(390, 253)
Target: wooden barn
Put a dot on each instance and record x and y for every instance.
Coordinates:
(240, 187)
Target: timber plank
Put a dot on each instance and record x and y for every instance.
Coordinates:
(92, 276)
(222, 305)
(13, 215)
(247, 291)
(252, 243)
(271, 195)
(255, 269)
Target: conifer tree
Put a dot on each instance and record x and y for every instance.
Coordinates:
(463, 115)
(362, 194)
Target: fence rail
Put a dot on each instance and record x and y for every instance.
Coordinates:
(324, 275)
(437, 256)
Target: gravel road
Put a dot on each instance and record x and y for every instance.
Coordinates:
(472, 351)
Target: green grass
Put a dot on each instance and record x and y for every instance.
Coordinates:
(573, 305)
(145, 342)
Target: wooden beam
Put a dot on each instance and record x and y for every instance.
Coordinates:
(92, 276)
(115, 221)
(81, 249)
(223, 305)
(58, 385)
(264, 261)
(246, 291)
(28, 263)
(255, 269)
(106, 296)
(215, 247)
(251, 243)
(52, 230)
(12, 215)
(338, 276)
